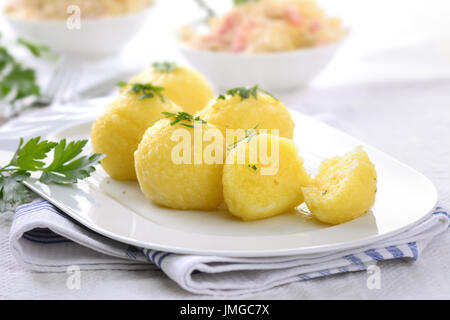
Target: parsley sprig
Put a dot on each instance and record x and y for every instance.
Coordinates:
(246, 92)
(67, 167)
(164, 66)
(16, 80)
(183, 118)
(146, 90)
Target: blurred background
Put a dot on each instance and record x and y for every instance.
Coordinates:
(380, 46)
(389, 80)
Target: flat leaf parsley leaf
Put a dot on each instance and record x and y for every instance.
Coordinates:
(12, 191)
(29, 155)
(66, 168)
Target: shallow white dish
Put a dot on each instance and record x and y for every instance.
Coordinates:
(277, 72)
(95, 38)
(120, 211)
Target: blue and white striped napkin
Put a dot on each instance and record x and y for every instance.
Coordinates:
(42, 238)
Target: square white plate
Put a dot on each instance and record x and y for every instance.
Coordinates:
(120, 211)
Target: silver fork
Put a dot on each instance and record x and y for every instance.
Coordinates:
(63, 84)
(202, 4)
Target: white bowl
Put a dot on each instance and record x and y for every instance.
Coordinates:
(95, 38)
(283, 71)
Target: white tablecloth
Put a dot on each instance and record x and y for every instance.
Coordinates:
(398, 101)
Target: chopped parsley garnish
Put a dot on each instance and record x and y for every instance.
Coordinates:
(247, 92)
(253, 167)
(238, 2)
(221, 97)
(249, 134)
(183, 118)
(244, 92)
(146, 90)
(268, 93)
(164, 66)
(65, 168)
(121, 84)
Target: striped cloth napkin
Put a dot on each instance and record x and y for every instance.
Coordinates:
(42, 238)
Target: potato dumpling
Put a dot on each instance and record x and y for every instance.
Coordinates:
(240, 109)
(171, 182)
(249, 194)
(118, 131)
(186, 87)
(344, 188)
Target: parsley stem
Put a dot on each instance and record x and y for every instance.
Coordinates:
(4, 169)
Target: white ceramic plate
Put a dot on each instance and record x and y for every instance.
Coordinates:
(120, 211)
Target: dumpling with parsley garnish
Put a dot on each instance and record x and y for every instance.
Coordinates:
(184, 86)
(344, 189)
(179, 167)
(118, 131)
(244, 108)
(263, 176)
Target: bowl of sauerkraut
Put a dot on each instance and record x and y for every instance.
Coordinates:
(280, 44)
(78, 27)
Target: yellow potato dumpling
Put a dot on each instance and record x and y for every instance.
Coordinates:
(249, 192)
(344, 188)
(169, 180)
(246, 108)
(118, 131)
(186, 87)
